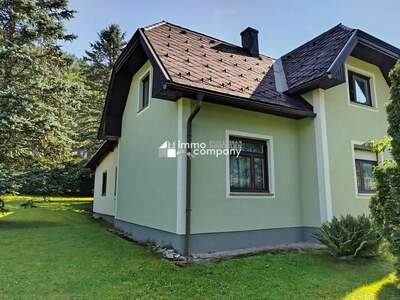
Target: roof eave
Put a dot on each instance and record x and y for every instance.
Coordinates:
(376, 46)
(238, 102)
(139, 40)
(100, 154)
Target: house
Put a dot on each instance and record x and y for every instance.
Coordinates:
(301, 123)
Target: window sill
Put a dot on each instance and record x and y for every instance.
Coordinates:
(364, 106)
(365, 195)
(250, 195)
(140, 111)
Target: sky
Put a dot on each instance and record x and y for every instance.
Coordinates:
(282, 24)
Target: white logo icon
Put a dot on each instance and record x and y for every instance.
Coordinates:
(167, 150)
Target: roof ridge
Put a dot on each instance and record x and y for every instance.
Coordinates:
(345, 27)
(199, 33)
(151, 26)
(340, 25)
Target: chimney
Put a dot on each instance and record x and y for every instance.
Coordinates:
(250, 40)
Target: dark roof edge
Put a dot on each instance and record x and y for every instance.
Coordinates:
(345, 52)
(100, 154)
(117, 66)
(244, 103)
(390, 49)
(139, 39)
(306, 86)
(362, 37)
(358, 37)
(154, 54)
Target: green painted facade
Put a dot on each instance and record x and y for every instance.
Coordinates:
(214, 211)
(151, 190)
(352, 122)
(147, 183)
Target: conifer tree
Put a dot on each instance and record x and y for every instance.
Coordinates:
(101, 57)
(37, 100)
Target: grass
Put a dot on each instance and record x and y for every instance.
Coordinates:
(58, 251)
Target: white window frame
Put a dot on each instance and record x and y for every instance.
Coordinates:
(140, 108)
(372, 84)
(270, 163)
(380, 159)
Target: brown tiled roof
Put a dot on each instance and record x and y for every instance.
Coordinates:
(312, 59)
(200, 61)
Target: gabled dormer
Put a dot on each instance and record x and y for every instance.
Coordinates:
(320, 63)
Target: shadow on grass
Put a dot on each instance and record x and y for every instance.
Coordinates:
(77, 206)
(389, 291)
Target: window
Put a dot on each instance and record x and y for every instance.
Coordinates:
(115, 181)
(359, 87)
(248, 170)
(365, 178)
(145, 92)
(104, 184)
(365, 161)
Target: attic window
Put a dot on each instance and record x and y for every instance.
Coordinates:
(144, 92)
(360, 90)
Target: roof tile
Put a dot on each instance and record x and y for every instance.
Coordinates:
(197, 60)
(312, 59)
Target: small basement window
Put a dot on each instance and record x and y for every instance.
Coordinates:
(248, 172)
(104, 184)
(365, 161)
(359, 87)
(144, 92)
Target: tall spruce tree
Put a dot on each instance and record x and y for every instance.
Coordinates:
(37, 99)
(100, 60)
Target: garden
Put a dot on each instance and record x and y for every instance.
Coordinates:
(57, 251)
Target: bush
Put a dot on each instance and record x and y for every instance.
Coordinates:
(385, 205)
(350, 237)
(70, 179)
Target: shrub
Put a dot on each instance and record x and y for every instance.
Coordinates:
(70, 179)
(385, 205)
(350, 237)
(2, 207)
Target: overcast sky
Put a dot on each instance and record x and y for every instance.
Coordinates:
(282, 24)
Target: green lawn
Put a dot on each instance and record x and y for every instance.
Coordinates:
(57, 251)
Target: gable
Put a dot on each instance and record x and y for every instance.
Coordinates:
(319, 63)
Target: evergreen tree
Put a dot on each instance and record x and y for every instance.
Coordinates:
(37, 99)
(102, 55)
(97, 72)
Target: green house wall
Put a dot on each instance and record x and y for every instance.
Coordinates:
(352, 122)
(147, 185)
(294, 202)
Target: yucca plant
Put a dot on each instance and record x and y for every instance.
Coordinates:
(350, 236)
